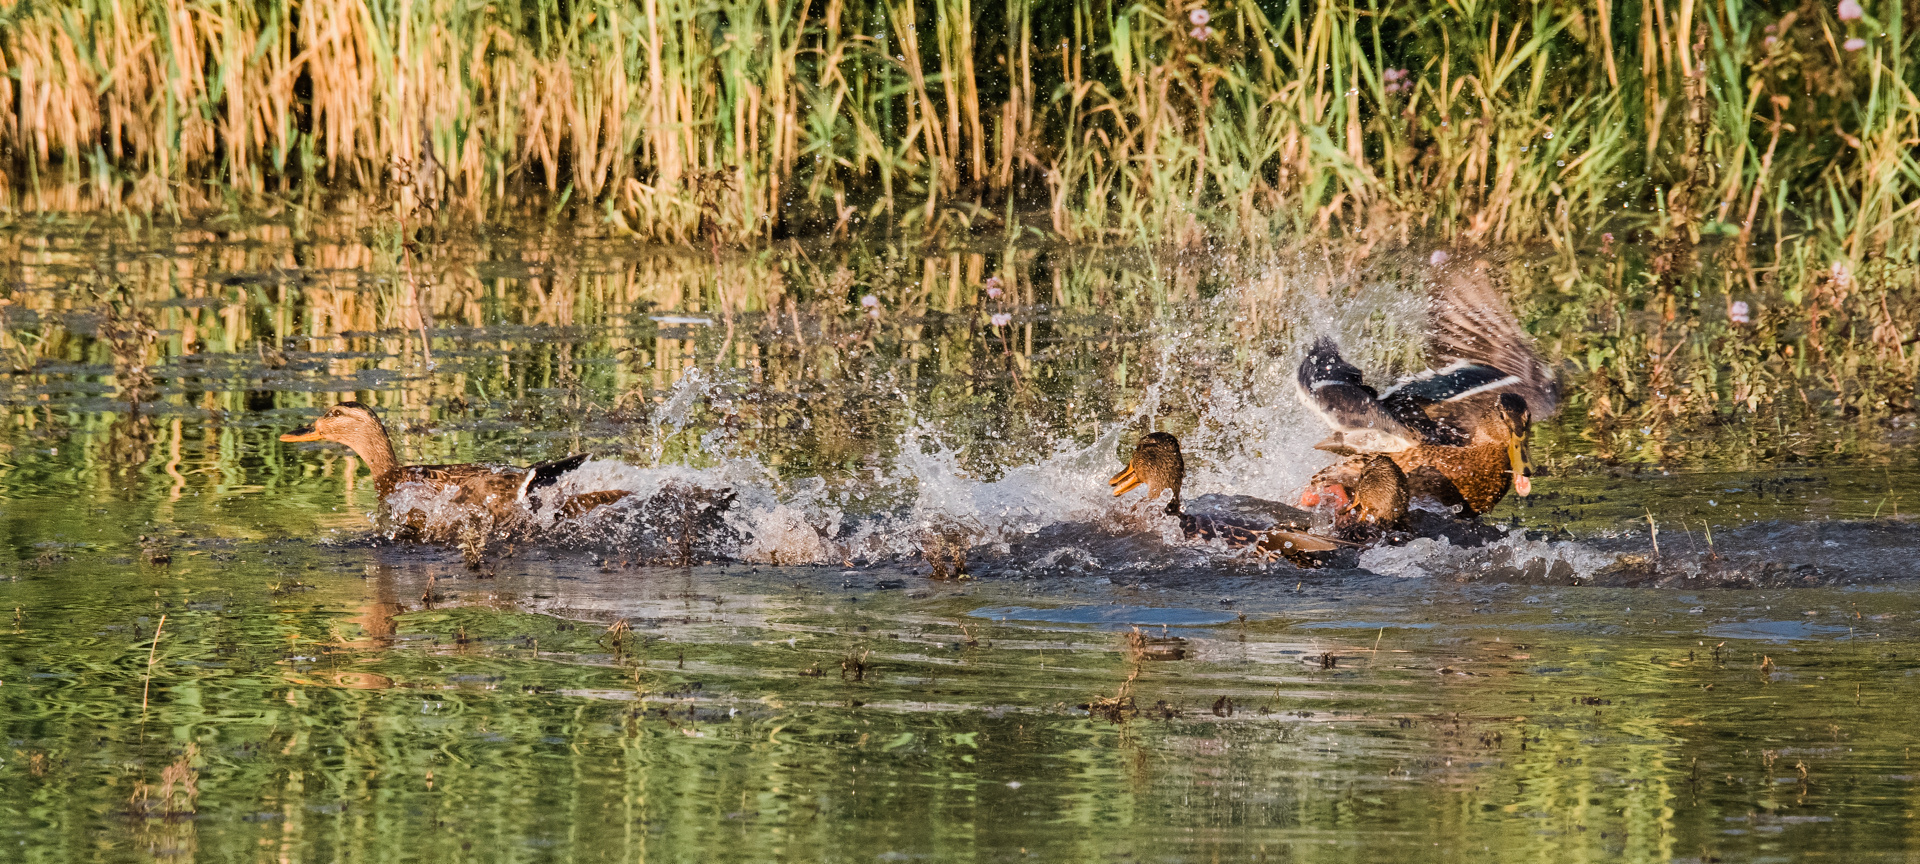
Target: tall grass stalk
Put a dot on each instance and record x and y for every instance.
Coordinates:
(736, 120)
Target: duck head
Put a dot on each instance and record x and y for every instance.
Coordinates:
(1367, 491)
(354, 425)
(1156, 463)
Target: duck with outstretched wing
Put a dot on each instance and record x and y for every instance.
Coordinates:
(1458, 430)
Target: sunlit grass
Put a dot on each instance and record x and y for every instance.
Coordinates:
(731, 121)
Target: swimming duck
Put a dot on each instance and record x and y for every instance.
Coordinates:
(1368, 492)
(503, 493)
(1158, 465)
(1459, 430)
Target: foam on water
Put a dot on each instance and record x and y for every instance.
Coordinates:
(1438, 557)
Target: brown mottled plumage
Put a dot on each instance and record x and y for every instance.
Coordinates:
(497, 491)
(1369, 493)
(1473, 478)
(1458, 431)
(1158, 465)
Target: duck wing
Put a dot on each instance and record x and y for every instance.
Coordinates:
(476, 482)
(1365, 419)
(540, 475)
(1441, 403)
(1267, 540)
(1474, 326)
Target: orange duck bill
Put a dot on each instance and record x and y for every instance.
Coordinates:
(1517, 457)
(304, 433)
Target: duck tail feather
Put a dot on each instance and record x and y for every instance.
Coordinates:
(1323, 366)
(543, 474)
(1346, 407)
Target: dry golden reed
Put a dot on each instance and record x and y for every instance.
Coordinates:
(1164, 121)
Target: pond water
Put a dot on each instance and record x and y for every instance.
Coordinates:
(208, 651)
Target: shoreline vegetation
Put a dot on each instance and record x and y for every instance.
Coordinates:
(1165, 122)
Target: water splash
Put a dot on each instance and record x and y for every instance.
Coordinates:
(1514, 554)
(1226, 389)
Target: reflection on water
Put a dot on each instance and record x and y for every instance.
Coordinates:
(206, 653)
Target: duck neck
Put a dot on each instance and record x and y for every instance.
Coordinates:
(376, 450)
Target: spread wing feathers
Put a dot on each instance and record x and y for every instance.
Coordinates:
(1456, 381)
(1472, 324)
(1335, 390)
(543, 474)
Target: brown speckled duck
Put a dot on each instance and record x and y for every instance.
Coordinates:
(503, 493)
(1368, 492)
(1158, 465)
(1458, 430)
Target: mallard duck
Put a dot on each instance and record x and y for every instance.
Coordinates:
(1459, 430)
(1368, 492)
(503, 493)
(1158, 465)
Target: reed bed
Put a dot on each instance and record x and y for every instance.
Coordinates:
(1166, 121)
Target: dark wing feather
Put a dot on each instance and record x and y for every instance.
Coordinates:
(1411, 398)
(1239, 536)
(445, 475)
(1472, 323)
(543, 474)
(1335, 388)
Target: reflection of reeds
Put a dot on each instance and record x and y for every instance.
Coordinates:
(1487, 121)
(549, 345)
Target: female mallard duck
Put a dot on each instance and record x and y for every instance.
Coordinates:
(1368, 492)
(1458, 430)
(1158, 465)
(501, 492)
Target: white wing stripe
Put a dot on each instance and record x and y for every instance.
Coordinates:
(1449, 369)
(1494, 385)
